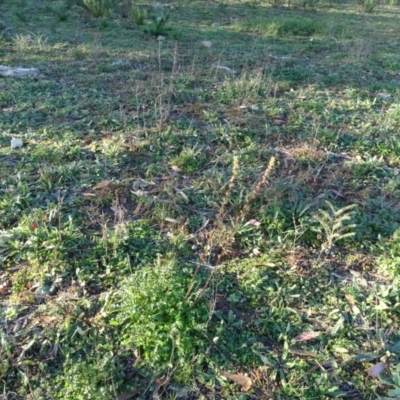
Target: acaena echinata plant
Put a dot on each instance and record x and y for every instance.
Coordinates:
(231, 233)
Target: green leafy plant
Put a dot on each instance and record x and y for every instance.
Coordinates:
(299, 27)
(368, 5)
(137, 15)
(282, 26)
(392, 379)
(335, 224)
(85, 378)
(155, 320)
(159, 19)
(124, 8)
(70, 3)
(245, 88)
(113, 202)
(98, 8)
(189, 160)
(254, 3)
(276, 3)
(61, 12)
(309, 3)
(21, 15)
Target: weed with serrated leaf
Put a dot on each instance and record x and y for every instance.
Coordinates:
(335, 224)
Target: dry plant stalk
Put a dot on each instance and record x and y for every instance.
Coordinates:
(239, 218)
(163, 102)
(218, 222)
(225, 200)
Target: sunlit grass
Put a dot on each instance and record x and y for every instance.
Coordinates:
(141, 152)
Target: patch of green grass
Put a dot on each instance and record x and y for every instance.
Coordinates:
(158, 322)
(142, 250)
(137, 15)
(98, 8)
(189, 159)
(281, 27)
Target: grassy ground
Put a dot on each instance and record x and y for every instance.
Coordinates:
(140, 164)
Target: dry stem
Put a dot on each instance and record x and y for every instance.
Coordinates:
(217, 223)
(238, 219)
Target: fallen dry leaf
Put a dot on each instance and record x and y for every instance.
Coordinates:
(137, 209)
(244, 381)
(47, 319)
(279, 121)
(126, 396)
(4, 289)
(303, 337)
(352, 304)
(227, 69)
(360, 280)
(141, 184)
(253, 222)
(377, 369)
(338, 194)
(127, 180)
(172, 220)
(173, 173)
(182, 194)
(301, 352)
(102, 185)
(162, 381)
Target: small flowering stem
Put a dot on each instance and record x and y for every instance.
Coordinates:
(218, 222)
(239, 218)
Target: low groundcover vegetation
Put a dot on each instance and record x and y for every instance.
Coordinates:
(199, 200)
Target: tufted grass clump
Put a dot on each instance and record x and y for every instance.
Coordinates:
(98, 8)
(281, 26)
